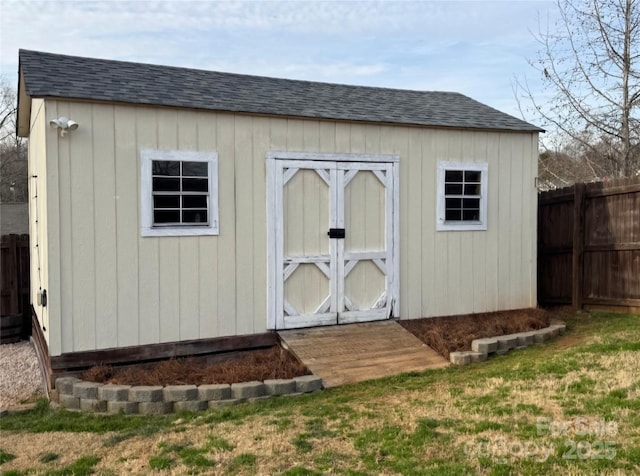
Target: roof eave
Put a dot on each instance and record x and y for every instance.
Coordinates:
(533, 129)
(23, 118)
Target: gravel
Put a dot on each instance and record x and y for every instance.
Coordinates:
(20, 377)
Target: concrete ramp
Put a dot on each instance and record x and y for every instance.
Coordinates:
(356, 352)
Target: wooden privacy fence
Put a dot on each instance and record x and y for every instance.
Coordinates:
(589, 245)
(15, 314)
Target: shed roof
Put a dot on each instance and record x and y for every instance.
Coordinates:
(73, 77)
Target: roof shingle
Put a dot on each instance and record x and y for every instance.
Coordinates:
(53, 75)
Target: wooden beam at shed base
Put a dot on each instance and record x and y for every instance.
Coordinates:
(357, 352)
(169, 350)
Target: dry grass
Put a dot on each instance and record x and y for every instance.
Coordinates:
(378, 427)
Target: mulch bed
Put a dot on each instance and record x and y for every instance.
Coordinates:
(443, 334)
(455, 333)
(264, 364)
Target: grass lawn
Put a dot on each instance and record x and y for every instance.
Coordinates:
(571, 406)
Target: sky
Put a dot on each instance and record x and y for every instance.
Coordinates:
(477, 48)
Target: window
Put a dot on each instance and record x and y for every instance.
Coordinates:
(179, 193)
(462, 196)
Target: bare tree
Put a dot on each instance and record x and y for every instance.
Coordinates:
(589, 64)
(571, 163)
(13, 149)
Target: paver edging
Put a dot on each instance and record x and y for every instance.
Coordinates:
(79, 395)
(500, 345)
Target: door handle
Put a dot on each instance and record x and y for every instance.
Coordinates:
(336, 233)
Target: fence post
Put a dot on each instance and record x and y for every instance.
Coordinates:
(578, 246)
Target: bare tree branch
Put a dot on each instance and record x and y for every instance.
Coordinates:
(13, 150)
(588, 63)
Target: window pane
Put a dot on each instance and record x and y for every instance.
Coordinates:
(472, 176)
(166, 201)
(166, 184)
(453, 203)
(471, 215)
(195, 185)
(194, 201)
(453, 189)
(453, 176)
(453, 215)
(472, 189)
(471, 203)
(194, 169)
(163, 216)
(166, 167)
(194, 216)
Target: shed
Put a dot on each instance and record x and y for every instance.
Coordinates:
(193, 211)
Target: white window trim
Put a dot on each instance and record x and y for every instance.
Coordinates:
(146, 195)
(441, 223)
(332, 157)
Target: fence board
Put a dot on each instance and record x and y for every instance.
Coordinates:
(15, 322)
(589, 244)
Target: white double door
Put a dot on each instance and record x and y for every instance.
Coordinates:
(335, 250)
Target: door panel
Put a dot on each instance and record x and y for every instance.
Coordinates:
(306, 290)
(365, 277)
(306, 213)
(364, 213)
(363, 286)
(306, 255)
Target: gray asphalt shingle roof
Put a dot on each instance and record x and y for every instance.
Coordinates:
(53, 75)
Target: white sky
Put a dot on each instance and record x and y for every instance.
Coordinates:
(475, 47)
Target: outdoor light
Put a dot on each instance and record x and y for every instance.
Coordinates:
(64, 124)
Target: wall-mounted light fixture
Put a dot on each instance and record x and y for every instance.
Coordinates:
(64, 125)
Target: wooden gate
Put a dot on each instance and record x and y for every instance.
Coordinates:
(333, 244)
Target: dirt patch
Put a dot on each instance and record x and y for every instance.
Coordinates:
(264, 364)
(455, 333)
(443, 334)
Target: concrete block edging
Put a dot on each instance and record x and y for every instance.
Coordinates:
(481, 349)
(79, 395)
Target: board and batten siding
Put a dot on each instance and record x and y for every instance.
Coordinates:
(110, 287)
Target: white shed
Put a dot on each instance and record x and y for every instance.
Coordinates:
(195, 211)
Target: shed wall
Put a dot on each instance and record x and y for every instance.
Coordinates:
(116, 288)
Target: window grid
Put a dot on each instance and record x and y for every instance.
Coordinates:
(462, 195)
(181, 193)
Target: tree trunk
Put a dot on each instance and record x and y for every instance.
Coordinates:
(626, 168)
